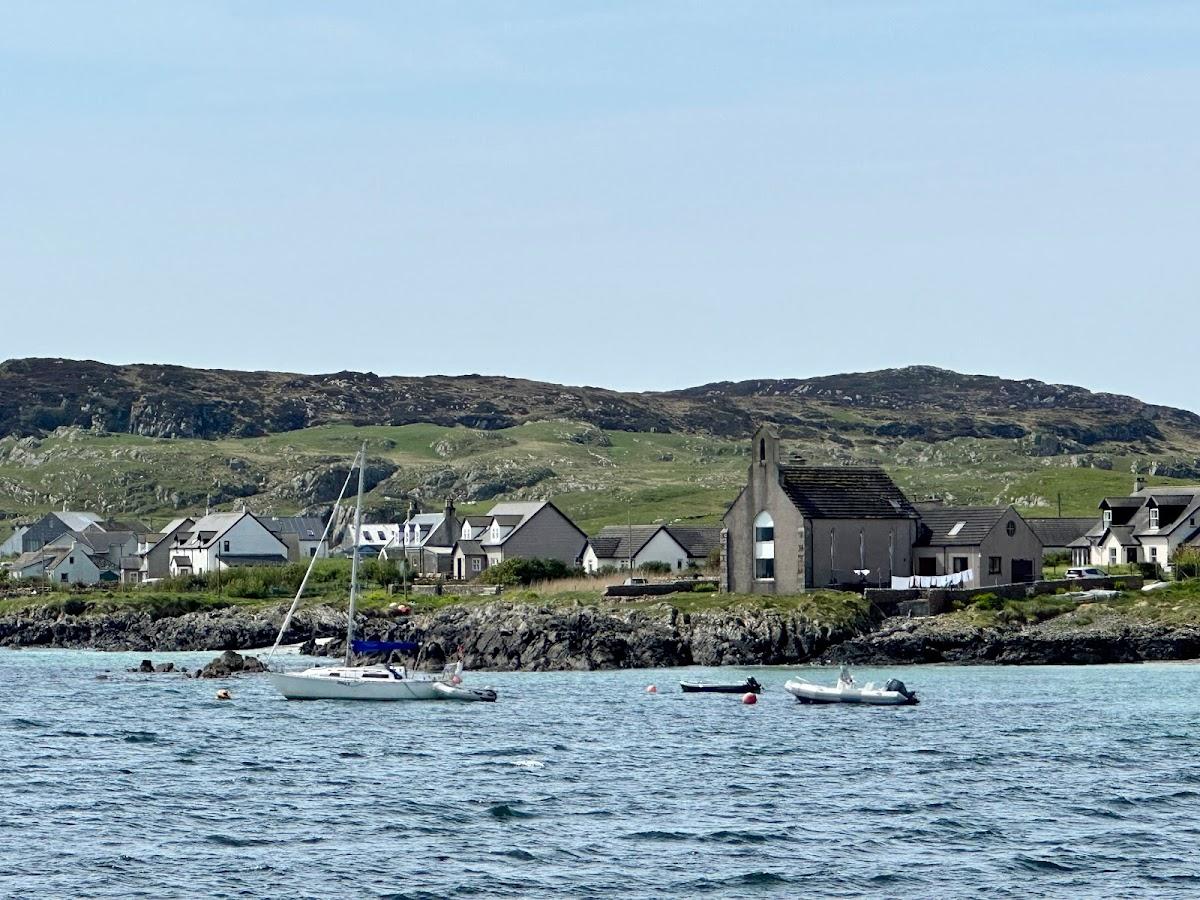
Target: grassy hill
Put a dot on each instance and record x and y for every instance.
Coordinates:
(155, 441)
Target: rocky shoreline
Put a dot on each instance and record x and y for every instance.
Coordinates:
(505, 636)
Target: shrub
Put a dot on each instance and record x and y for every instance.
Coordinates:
(655, 567)
(988, 602)
(1186, 562)
(525, 571)
(704, 587)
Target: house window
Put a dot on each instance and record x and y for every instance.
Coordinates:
(225, 547)
(71, 560)
(1153, 554)
(1010, 529)
(960, 564)
(1154, 517)
(477, 564)
(1112, 556)
(1108, 517)
(312, 551)
(63, 576)
(764, 546)
(994, 566)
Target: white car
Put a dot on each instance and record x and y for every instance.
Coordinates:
(1086, 572)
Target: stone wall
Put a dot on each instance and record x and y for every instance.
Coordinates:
(934, 601)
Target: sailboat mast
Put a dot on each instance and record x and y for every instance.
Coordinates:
(362, 465)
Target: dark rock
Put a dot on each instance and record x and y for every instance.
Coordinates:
(165, 667)
(231, 663)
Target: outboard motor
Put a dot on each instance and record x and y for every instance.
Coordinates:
(895, 684)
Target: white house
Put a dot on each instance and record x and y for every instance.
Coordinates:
(224, 540)
(1145, 527)
(678, 546)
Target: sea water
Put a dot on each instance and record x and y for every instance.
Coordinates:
(1004, 782)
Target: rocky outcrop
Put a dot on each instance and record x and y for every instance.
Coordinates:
(231, 663)
(497, 635)
(507, 636)
(1087, 637)
(232, 628)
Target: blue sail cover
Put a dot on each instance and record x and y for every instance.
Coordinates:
(384, 646)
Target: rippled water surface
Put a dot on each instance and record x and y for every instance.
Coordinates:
(1004, 782)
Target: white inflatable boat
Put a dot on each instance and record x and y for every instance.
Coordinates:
(847, 690)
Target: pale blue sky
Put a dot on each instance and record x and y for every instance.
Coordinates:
(637, 195)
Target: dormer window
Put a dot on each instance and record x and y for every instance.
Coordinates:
(1108, 517)
(1154, 517)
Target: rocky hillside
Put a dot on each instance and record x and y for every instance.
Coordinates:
(159, 440)
(40, 395)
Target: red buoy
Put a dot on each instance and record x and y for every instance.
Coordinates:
(651, 690)
(749, 699)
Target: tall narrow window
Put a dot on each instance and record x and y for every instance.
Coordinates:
(1154, 517)
(762, 450)
(764, 546)
(1108, 517)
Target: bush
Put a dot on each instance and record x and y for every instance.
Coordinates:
(988, 602)
(525, 571)
(704, 587)
(655, 567)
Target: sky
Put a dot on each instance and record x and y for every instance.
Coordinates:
(634, 195)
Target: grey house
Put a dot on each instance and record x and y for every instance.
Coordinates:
(796, 527)
(36, 535)
(518, 530)
(993, 542)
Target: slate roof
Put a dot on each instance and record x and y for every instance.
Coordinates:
(471, 548)
(1056, 532)
(310, 528)
(1124, 535)
(697, 540)
(616, 541)
(938, 521)
(844, 492)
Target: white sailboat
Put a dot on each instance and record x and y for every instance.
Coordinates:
(378, 682)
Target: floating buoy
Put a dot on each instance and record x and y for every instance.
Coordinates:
(651, 689)
(223, 694)
(749, 698)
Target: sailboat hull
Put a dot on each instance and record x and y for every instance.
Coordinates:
(323, 686)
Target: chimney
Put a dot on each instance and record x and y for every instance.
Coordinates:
(1139, 483)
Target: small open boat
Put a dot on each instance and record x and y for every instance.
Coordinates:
(894, 693)
(749, 686)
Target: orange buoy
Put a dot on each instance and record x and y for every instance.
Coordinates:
(651, 689)
(749, 698)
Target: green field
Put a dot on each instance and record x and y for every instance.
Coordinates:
(597, 477)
